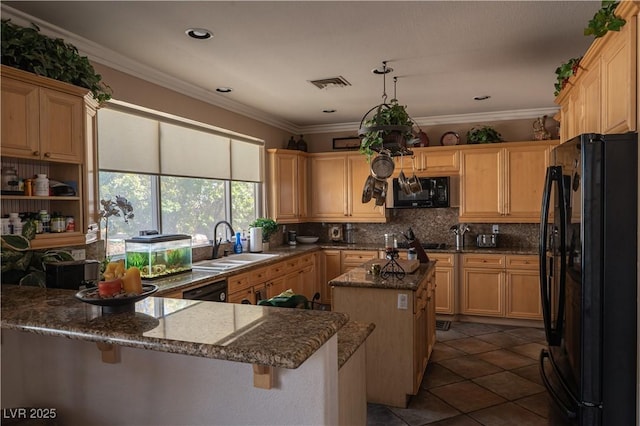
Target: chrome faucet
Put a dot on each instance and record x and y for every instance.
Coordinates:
(218, 241)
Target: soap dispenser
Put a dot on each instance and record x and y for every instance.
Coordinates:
(237, 247)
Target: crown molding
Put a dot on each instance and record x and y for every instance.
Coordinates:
(115, 60)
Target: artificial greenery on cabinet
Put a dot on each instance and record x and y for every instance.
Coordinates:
(29, 50)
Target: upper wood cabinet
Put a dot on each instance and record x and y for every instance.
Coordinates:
(503, 182)
(602, 96)
(49, 127)
(430, 161)
(289, 181)
(39, 122)
(336, 187)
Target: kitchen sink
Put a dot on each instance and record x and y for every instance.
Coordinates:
(224, 264)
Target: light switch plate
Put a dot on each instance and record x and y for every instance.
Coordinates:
(403, 301)
(495, 229)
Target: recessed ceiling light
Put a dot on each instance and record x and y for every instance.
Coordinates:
(224, 89)
(199, 33)
(329, 110)
(481, 98)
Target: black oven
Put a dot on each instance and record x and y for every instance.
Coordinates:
(435, 193)
(216, 292)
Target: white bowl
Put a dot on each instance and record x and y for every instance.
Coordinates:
(303, 239)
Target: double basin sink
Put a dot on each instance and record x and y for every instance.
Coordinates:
(234, 261)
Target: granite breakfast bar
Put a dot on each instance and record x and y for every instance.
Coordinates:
(174, 361)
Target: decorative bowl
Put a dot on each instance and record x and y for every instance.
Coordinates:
(115, 304)
(305, 239)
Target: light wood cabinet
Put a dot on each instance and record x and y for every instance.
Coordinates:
(296, 273)
(332, 268)
(288, 183)
(501, 286)
(399, 349)
(336, 183)
(445, 282)
(602, 96)
(429, 161)
(503, 183)
(49, 127)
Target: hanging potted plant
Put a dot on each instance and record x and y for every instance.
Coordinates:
(389, 128)
(29, 50)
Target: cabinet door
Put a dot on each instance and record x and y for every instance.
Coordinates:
(328, 175)
(481, 183)
(619, 80)
(524, 181)
(288, 187)
(61, 124)
(444, 291)
(440, 162)
(353, 258)
(359, 171)
(482, 292)
(20, 119)
(306, 281)
(523, 295)
(241, 296)
(590, 89)
(332, 269)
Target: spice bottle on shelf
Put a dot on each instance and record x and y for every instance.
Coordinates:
(70, 224)
(41, 187)
(28, 187)
(45, 218)
(57, 223)
(15, 223)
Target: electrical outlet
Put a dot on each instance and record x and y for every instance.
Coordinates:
(79, 254)
(403, 301)
(495, 229)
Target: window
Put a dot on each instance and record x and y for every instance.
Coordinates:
(183, 181)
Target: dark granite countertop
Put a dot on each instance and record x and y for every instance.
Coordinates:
(277, 337)
(350, 337)
(362, 277)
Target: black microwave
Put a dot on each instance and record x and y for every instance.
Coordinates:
(435, 193)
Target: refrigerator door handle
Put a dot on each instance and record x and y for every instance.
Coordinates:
(554, 335)
(568, 411)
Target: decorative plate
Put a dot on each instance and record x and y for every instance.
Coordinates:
(114, 304)
(450, 138)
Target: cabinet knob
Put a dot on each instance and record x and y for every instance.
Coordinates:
(47, 154)
(36, 153)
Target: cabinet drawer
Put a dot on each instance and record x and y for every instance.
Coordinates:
(443, 259)
(306, 260)
(259, 275)
(483, 261)
(239, 282)
(292, 264)
(522, 262)
(276, 270)
(357, 257)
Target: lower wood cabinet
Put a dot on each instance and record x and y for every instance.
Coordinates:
(445, 290)
(331, 262)
(296, 273)
(501, 286)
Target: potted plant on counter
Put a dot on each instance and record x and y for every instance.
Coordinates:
(269, 227)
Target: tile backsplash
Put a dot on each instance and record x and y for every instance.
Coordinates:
(429, 225)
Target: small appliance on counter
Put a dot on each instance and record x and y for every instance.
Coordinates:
(486, 240)
(72, 274)
(158, 256)
(292, 238)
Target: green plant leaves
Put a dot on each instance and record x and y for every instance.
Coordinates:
(604, 20)
(564, 72)
(28, 50)
(484, 134)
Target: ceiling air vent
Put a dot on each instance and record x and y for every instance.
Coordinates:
(330, 82)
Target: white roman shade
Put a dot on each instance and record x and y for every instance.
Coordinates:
(193, 153)
(127, 142)
(246, 161)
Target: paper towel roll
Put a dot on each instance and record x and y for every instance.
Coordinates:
(255, 240)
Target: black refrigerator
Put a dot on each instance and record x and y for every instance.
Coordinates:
(588, 279)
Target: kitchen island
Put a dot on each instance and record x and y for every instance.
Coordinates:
(173, 361)
(403, 311)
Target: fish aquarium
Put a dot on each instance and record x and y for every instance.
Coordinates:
(158, 256)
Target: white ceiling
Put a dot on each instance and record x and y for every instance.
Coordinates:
(443, 53)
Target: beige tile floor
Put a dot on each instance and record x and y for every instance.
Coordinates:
(478, 374)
